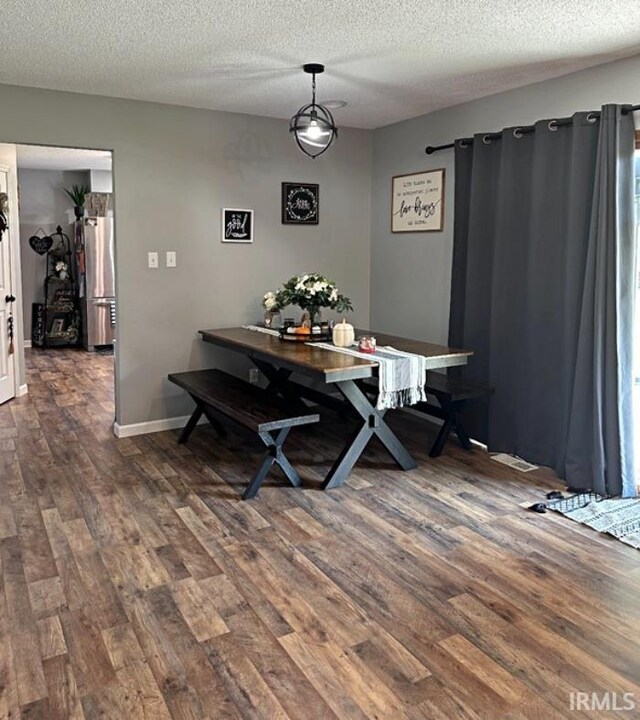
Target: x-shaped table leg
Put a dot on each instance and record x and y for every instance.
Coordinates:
(274, 456)
(374, 424)
(277, 378)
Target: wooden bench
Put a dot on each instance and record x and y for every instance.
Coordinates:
(250, 406)
(452, 395)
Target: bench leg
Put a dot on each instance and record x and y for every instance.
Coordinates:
(462, 434)
(441, 439)
(215, 424)
(274, 456)
(452, 421)
(253, 487)
(193, 421)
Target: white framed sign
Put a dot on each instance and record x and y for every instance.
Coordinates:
(417, 202)
(237, 225)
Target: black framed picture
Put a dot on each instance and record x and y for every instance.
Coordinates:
(300, 203)
(237, 225)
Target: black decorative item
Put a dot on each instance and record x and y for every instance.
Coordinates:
(56, 323)
(300, 203)
(313, 125)
(40, 243)
(4, 198)
(237, 225)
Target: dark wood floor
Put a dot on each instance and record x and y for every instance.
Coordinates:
(136, 584)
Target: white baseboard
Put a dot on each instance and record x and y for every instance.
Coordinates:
(27, 344)
(22, 390)
(153, 426)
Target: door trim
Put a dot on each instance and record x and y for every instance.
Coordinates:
(15, 283)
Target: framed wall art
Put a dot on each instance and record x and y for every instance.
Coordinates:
(237, 225)
(417, 202)
(300, 203)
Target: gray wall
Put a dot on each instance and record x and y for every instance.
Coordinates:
(173, 169)
(43, 204)
(410, 273)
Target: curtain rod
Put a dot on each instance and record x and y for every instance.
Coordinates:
(430, 149)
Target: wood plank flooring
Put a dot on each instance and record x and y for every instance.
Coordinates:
(136, 584)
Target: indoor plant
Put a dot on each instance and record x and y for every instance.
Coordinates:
(311, 292)
(77, 195)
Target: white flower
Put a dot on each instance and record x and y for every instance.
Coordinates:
(269, 294)
(334, 295)
(318, 286)
(270, 302)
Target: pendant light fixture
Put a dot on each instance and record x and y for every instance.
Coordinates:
(313, 125)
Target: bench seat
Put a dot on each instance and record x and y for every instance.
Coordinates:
(215, 391)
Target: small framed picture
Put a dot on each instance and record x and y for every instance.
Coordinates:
(237, 225)
(57, 326)
(417, 202)
(300, 203)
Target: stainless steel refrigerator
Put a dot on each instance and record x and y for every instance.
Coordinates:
(99, 301)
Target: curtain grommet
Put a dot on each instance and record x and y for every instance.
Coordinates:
(486, 140)
(592, 117)
(552, 125)
(517, 133)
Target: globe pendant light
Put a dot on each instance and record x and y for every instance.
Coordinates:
(313, 125)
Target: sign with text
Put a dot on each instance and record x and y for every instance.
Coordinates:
(417, 202)
(237, 225)
(300, 203)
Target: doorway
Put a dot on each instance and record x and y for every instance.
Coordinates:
(66, 270)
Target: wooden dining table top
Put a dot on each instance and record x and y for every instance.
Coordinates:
(333, 366)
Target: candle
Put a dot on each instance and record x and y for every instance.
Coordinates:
(343, 334)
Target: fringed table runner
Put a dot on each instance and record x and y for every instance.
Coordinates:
(401, 375)
(257, 328)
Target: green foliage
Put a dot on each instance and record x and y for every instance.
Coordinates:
(77, 193)
(310, 292)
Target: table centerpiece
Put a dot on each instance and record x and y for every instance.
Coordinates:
(311, 292)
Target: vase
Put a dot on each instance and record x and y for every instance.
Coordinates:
(269, 317)
(79, 211)
(311, 316)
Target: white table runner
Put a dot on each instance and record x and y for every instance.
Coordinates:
(401, 375)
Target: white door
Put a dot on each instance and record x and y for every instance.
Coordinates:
(7, 384)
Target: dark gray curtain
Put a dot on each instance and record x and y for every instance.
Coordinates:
(542, 291)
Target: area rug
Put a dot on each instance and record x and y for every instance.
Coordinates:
(617, 517)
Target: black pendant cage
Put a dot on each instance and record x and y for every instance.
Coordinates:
(313, 126)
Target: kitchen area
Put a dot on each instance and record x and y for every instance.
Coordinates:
(67, 248)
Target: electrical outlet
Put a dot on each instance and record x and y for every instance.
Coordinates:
(153, 260)
(254, 376)
(171, 259)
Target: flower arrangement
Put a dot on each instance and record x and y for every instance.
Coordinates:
(61, 269)
(310, 292)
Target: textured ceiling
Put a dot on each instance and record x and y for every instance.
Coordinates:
(389, 59)
(41, 157)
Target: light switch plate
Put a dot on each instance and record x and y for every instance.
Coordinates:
(153, 260)
(171, 259)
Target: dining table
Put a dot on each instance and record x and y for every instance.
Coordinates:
(280, 361)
